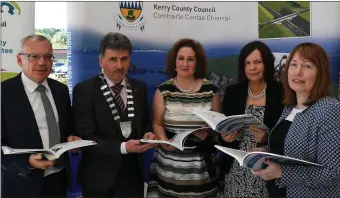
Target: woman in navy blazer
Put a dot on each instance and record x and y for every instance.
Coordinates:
(308, 129)
(257, 93)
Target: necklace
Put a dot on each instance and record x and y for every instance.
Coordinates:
(185, 90)
(263, 93)
(125, 126)
(109, 98)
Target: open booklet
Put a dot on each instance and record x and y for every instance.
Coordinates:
(177, 141)
(255, 160)
(228, 124)
(54, 152)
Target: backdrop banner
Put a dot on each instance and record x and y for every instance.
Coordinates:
(17, 21)
(222, 27)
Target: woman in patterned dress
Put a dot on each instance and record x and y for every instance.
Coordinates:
(257, 93)
(308, 129)
(194, 171)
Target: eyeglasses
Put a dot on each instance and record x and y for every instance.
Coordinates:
(36, 57)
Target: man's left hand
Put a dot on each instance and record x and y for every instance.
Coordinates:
(150, 136)
(72, 138)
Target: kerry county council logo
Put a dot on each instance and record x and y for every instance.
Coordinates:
(10, 7)
(130, 15)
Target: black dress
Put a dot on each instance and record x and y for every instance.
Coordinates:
(277, 139)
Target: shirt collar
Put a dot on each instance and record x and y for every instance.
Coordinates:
(110, 83)
(31, 85)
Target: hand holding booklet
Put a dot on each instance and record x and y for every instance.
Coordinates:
(255, 160)
(54, 152)
(177, 141)
(228, 124)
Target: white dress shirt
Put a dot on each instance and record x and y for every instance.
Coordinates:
(123, 94)
(33, 96)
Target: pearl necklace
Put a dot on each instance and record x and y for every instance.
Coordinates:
(263, 93)
(185, 90)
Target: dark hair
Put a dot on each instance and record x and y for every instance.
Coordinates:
(201, 59)
(267, 57)
(114, 41)
(316, 55)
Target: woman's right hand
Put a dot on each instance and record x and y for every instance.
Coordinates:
(231, 137)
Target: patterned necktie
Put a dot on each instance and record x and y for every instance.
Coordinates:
(54, 136)
(118, 99)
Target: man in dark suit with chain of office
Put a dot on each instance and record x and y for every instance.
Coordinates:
(112, 110)
(35, 113)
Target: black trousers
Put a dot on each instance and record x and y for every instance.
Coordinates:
(128, 183)
(55, 185)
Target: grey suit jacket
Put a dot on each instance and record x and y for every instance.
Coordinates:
(314, 136)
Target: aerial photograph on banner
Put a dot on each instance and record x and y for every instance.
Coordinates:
(282, 19)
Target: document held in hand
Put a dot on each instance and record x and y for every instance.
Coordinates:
(255, 160)
(54, 152)
(228, 124)
(177, 141)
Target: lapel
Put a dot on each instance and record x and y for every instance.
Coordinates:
(29, 123)
(274, 103)
(286, 111)
(242, 101)
(103, 104)
(59, 106)
(136, 105)
(270, 96)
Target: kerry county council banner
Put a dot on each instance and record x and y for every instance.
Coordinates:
(17, 21)
(222, 27)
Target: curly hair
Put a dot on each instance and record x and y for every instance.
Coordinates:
(201, 59)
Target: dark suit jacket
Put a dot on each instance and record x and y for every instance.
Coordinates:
(19, 129)
(94, 121)
(234, 103)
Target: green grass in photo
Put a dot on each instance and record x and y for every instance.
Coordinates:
(264, 15)
(305, 16)
(304, 4)
(278, 6)
(275, 31)
(224, 65)
(7, 75)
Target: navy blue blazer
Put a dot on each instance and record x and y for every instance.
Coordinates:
(19, 129)
(314, 136)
